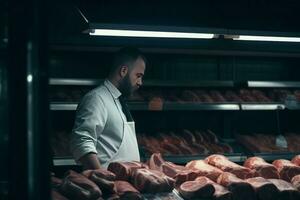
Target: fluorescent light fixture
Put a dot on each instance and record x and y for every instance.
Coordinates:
(267, 38)
(150, 34)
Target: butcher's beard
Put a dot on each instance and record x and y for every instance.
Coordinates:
(125, 87)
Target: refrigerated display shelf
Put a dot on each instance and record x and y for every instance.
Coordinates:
(179, 159)
(150, 83)
(200, 106)
(58, 106)
(238, 157)
(175, 83)
(262, 106)
(65, 161)
(274, 156)
(78, 81)
(274, 84)
(62, 106)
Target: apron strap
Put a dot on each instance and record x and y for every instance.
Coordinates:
(125, 109)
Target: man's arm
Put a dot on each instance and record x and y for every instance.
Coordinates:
(90, 161)
(91, 116)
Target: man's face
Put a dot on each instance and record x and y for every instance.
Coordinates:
(133, 79)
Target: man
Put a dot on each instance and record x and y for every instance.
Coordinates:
(104, 130)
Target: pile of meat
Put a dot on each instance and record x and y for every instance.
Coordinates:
(183, 142)
(218, 178)
(267, 143)
(122, 180)
(215, 177)
(217, 96)
(208, 96)
(196, 95)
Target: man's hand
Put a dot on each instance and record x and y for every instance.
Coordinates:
(90, 161)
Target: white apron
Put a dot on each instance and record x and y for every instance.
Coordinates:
(128, 150)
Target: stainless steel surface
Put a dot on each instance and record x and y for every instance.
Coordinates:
(193, 83)
(274, 84)
(63, 106)
(262, 106)
(91, 82)
(200, 106)
(185, 159)
(79, 82)
(64, 161)
(166, 106)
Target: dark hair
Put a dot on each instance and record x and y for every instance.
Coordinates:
(126, 56)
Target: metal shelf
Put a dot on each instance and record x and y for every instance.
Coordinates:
(274, 84)
(149, 83)
(262, 106)
(176, 83)
(170, 106)
(78, 82)
(274, 156)
(179, 159)
(63, 106)
(64, 162)
(200, 106)
(60, 106)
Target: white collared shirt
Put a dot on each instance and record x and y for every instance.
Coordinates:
(99, 123)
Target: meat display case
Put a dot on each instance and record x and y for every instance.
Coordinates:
(240, 154)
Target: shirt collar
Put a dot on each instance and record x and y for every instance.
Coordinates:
(112, 89)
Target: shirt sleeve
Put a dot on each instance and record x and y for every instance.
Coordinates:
(91, 116)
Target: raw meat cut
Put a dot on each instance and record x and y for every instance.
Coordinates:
(264, 189)
(296, 182)
(200, 188)
(261, 167)
(123, 170)
(286, 190)
(104, 179)
(205, 169)
(178, 172)
(287, 170)
(226, 165)
(241, 190)
(126, 191)
(296, 160)
(151, 181)
(221, 193)
(76, 186)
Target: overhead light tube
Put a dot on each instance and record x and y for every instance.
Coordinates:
(150, 34)
(267, 38)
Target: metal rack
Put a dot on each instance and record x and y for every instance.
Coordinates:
(171, 106)
(262, 106)
(147, 83)
(236, 157)
(274, 84)
(143, 106)
(173, 83)
(274, 156)
(174, 106)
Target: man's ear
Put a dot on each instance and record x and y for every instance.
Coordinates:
(123, 71)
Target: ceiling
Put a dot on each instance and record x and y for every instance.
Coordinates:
(65, 22)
